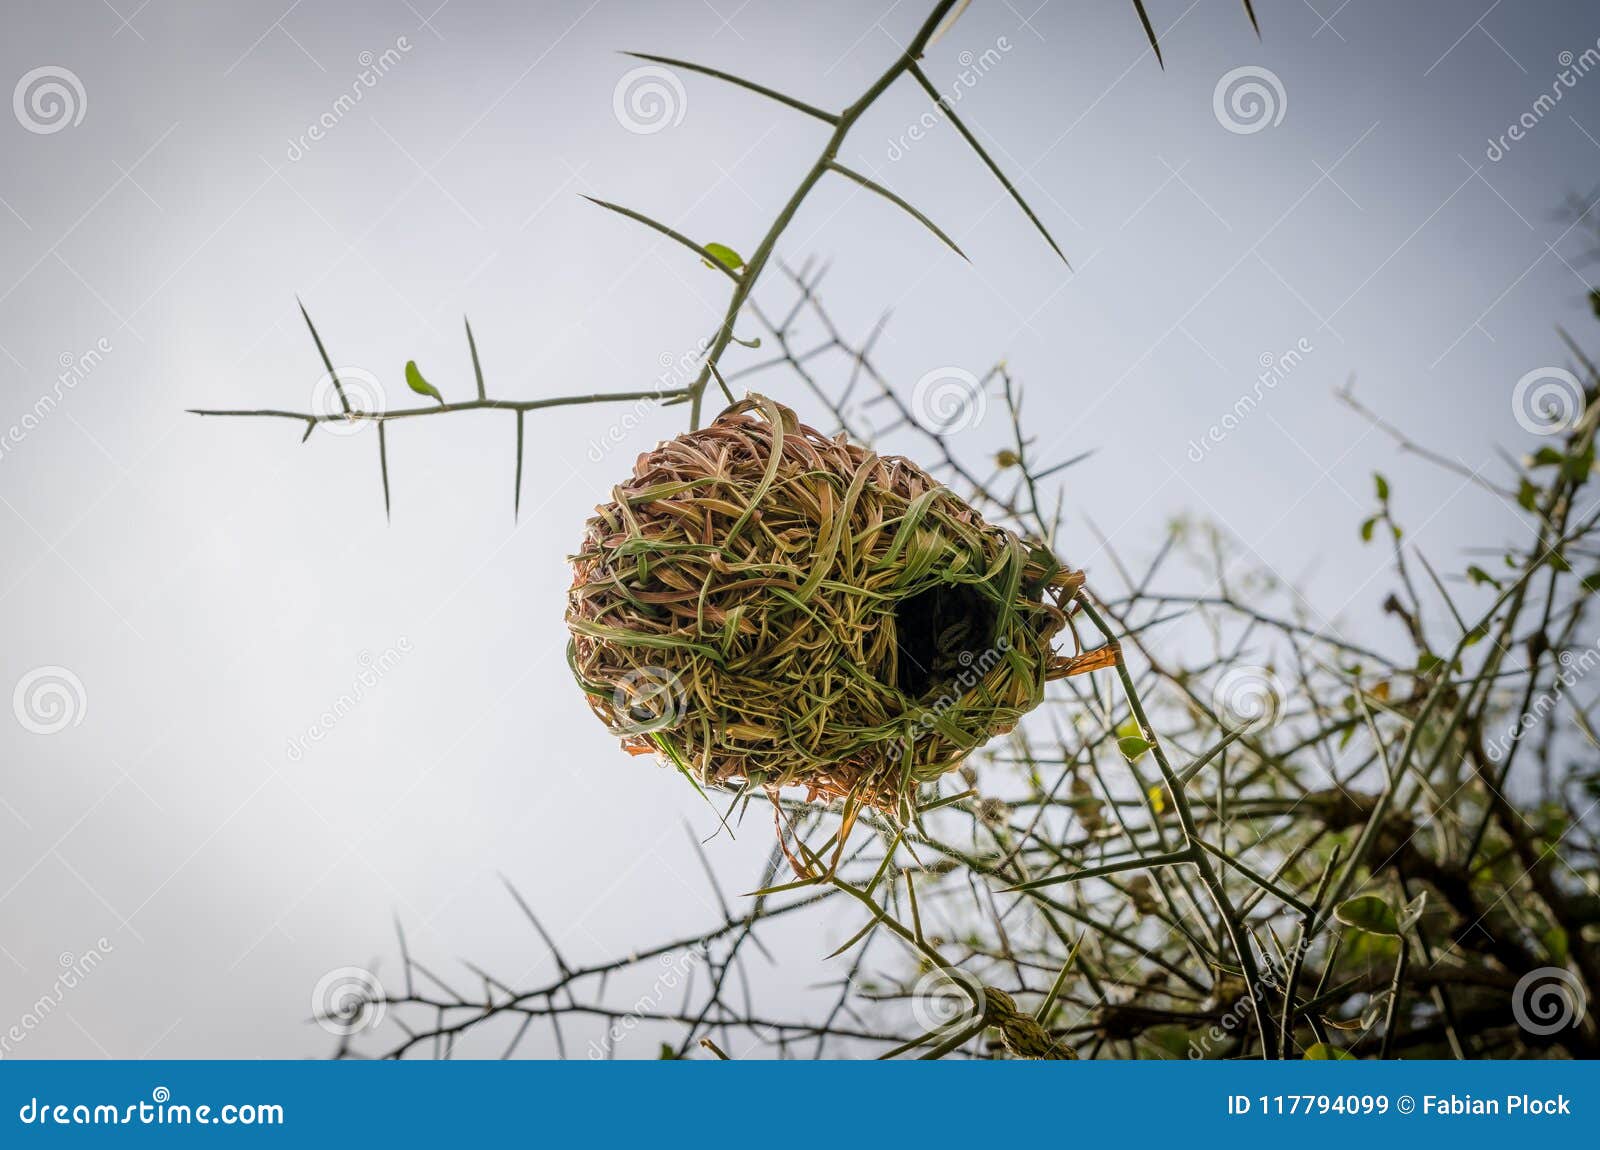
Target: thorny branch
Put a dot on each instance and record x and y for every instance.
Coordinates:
(1186, 912)
(1304, 785)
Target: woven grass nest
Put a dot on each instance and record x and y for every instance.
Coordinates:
(764, 606)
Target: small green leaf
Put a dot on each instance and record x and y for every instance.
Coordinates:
(1479, 576)
(725, 256)
(1576, 468)
(1370, 913)
(1527, 494)
(1594, 301)
(419, 385)
(1556, 945)
(1382, 485)
(1322, 1052)
(667, 1054)
(1548, 457)
(1132, 746)
(1367, 526)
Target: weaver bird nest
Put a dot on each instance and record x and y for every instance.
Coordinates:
(762, 606)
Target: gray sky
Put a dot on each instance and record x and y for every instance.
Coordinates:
(201, 592)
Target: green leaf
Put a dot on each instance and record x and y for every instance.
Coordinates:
(1548, 457)
(1369, 913)
(1527, 494)
(1594, 301)
(1132, 746)
(1382, 485)
(1479, 576)
(1367, 526)
(667, 1054)
(1322, 1052)
(726, 256)
(419, 385)
(1555, 945)
(1591, 581)
(1576, 468)
(1428, 661)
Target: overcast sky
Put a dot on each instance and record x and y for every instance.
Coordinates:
(185, 599)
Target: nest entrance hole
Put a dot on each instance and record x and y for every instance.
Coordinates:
(939, 633)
